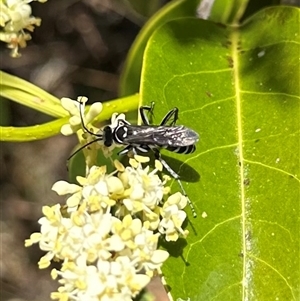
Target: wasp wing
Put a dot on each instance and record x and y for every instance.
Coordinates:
(175, 136)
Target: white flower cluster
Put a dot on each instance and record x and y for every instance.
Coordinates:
(107, 234)
(15, 18)
(106, 253)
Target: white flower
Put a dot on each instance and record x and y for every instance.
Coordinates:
(173, 217)
(69, 237)
(15, 17)
(107, 253)
(75, 108)
(100, 188)
(144, 187)
(52, 225)
(146, 253)
(63, 188)
(80, 121)
(105, 280)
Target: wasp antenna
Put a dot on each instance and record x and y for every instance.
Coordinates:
(82, 147)
(81, 118)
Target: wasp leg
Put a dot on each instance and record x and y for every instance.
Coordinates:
(143, 114)
(126, 150)
(171, 117)
(176, 177)
(134, 150)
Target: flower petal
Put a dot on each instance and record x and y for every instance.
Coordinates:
(63, 187)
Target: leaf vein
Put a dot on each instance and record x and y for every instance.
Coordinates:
(207, 105)
(276, 271)
(270, 93)
(273, 168)
(275, 224)
(271, 44)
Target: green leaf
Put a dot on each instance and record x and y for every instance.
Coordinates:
(218, 11)
(232, 11)
(256, 5)
(130, 78)
(238, 87)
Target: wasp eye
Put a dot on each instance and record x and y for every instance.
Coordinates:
(107, 137)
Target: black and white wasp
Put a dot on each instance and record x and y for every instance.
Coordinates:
(150, 138)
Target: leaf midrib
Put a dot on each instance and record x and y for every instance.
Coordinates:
(234, 50)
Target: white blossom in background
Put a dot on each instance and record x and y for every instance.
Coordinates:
(15, 21)
(107, 234)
